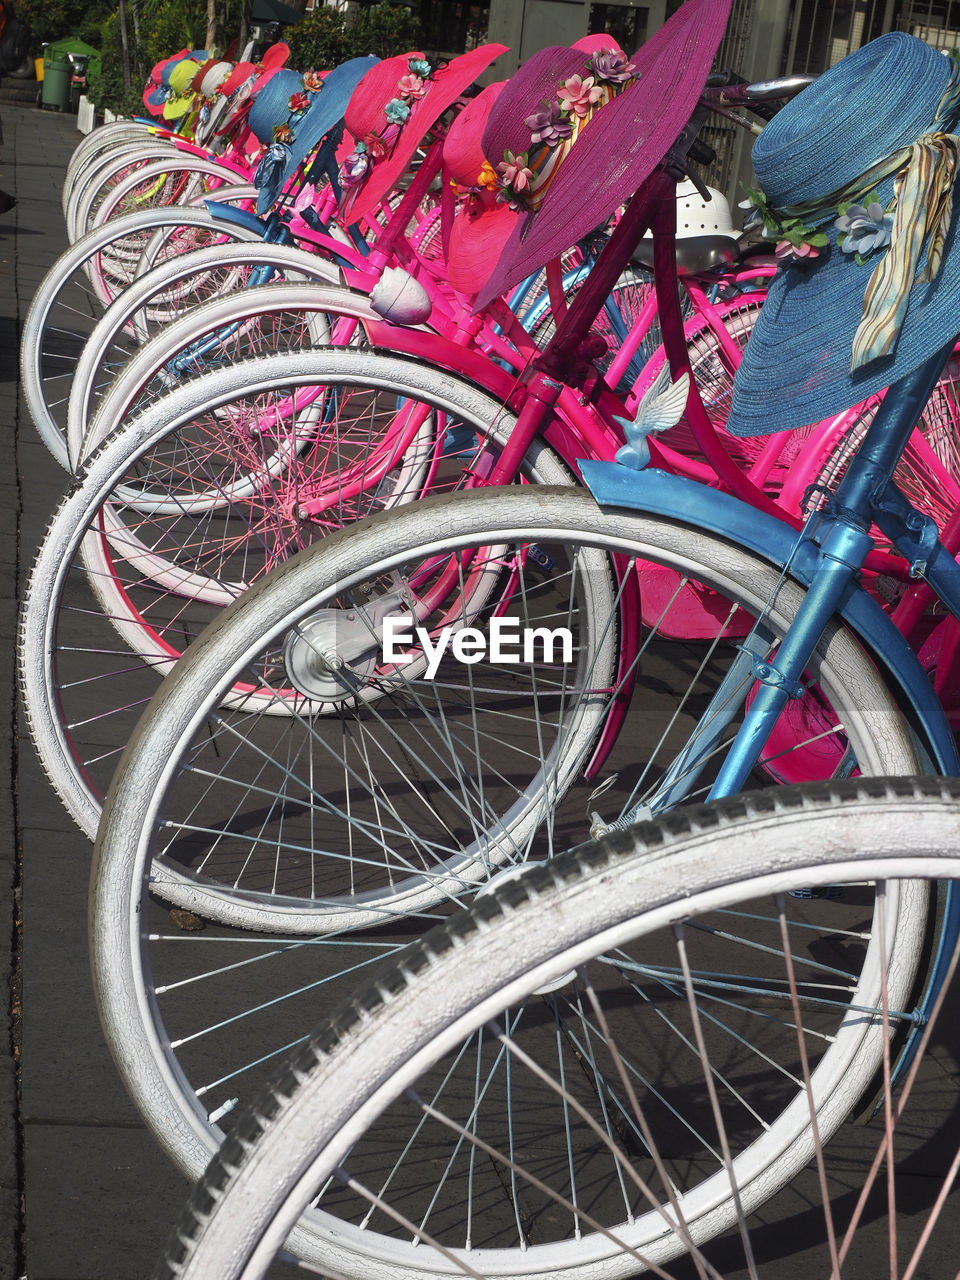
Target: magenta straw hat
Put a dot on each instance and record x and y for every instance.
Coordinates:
(392, 108)
(642, 112)
(599, 43)
(858, 188)
(483, 223)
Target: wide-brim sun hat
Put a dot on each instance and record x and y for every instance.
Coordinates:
(878, 127)
(245, 82)
(483, 223)
(182, 95)
(304, 108)
(157, 87)
(620, 145)
(240, 72)
(214, 77)
(202, 70)
(387, 135)
(273, 59)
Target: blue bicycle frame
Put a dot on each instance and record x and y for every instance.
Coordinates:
(825, 559)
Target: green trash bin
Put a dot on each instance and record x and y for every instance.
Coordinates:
(56, 85)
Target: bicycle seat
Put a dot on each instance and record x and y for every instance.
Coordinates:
(696, 255)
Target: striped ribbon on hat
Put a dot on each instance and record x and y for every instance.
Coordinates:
(923, 193)
(922, 208)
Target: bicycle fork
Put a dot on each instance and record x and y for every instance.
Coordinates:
(866, 495)
(843, 551)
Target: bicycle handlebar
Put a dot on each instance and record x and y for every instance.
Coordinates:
(726, 92)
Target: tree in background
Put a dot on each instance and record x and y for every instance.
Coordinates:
(319, 41)
(325, 37)
(54, 19)
(157, 28)
(385, 29)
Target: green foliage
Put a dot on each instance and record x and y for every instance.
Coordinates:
(325, 38)
(320, 41)
(385, 29)
(54, 19)
(164, 27)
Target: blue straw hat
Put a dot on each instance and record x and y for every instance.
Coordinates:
(292, 112)
(856, 178)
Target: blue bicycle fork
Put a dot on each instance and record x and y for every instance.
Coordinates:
(865, 491)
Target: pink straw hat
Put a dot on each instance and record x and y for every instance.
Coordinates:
(619, 147)
(392, 108)
(483, 223)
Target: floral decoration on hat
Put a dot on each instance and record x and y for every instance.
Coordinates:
(277, 157)
(412, 87)
(795, 238)
(524, 176)
(914, 221)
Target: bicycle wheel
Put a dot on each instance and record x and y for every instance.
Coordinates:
(199, 497)
(157, 300)
(67, 304)
(103, 139)
(181, 180)
(387, 812)
(714, 357)
(104, 172)
(624, 984)
(234, 330)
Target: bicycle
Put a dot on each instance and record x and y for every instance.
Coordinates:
(157, 572)
(415, 789)
(110, 258)
(170, 546)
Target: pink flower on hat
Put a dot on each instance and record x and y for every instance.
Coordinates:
(411, 86)
(514, 172)
(298, 102)
(803, 250)
(578, 94)
(375, 145)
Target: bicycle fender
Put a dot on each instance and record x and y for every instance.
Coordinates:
(660, 493)
(240, 217)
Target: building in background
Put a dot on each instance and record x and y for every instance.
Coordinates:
(764, 38)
